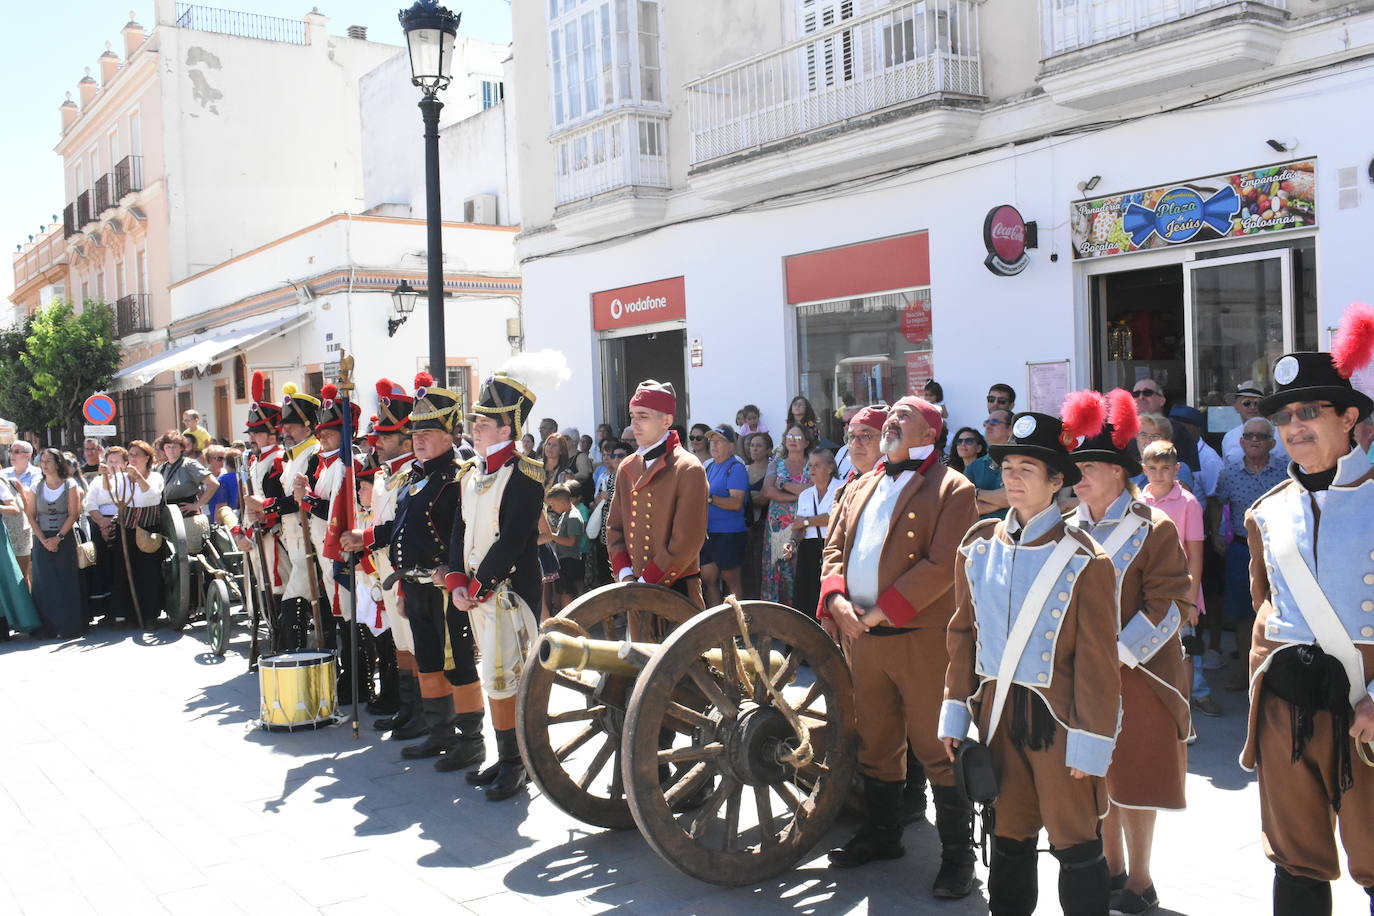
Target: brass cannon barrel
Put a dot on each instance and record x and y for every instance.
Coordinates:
(559, 650)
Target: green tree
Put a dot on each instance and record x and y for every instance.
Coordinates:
(17, 404)
(66, 358)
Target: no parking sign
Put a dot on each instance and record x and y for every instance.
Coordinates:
(98, 409)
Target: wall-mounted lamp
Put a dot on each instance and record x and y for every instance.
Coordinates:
(1286, 145)
(1085, 186)
(402, 304)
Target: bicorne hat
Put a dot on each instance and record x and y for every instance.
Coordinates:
(1103, 428)
(1041, 436)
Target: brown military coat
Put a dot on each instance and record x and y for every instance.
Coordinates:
(657, 521)
(916, 569)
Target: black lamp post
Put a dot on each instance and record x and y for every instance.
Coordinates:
(402, 304)
(430, 32)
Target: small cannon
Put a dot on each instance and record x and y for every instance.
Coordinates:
(699, 727)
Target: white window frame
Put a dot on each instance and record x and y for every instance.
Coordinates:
(574, 69)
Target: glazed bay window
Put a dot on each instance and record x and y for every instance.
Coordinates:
(605, 64)
(860, 351)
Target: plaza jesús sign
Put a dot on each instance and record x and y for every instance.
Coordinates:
(1272, 198)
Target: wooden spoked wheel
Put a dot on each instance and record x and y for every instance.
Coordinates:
(176, 568)
(219, 617)
(750, 815)
(569, 722)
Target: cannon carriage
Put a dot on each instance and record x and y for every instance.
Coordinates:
(726, 736)
(205, 576)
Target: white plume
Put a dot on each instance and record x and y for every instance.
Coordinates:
(541, 371)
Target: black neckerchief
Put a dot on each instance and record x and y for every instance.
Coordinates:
(656, 452)
(1313, 483)
(895, 469)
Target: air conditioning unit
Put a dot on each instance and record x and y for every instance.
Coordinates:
(480, 210)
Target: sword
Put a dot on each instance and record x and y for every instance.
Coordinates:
(346, 449)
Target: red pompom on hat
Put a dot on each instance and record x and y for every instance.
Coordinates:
(1084, 414)
(928, 411)
(1352, 347)
(872, 416)
(259, 385)
(1123, 415)
(423, 380)
(329, 393)
(391, 391)
(654, 395)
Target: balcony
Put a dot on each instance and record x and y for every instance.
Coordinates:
(241, 25)
(1104, 52)
(907, 74)
(133, 314)
(101, 198)
(83, 209)
(625, 151)
(69, 226)
(128, 176)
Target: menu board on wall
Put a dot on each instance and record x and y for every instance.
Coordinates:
(1273, 198)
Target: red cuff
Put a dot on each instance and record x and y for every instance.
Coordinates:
(271, 520)
(621, 561)
(652, 574)
(269, 502)
(830, 585)
(898, 610)
(369, 538)
(455, 580)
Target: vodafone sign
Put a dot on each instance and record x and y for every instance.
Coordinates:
(645, 303)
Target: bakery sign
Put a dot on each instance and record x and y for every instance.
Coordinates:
(1272, 198)
(644, 303)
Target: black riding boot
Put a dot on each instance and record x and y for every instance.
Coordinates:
(1295, 895)
(510, 767)
(468, 748)
(1085, 882)
(388, 699)
(954, 822)
(914, 793)
(438, 715)
(407, 702)
(880, 837)
(1013, 883)
(413, 727)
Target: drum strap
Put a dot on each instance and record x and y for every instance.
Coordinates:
(1026, 618)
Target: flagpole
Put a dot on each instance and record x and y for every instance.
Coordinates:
(348, 490)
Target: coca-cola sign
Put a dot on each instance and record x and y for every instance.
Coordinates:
(1007, 236)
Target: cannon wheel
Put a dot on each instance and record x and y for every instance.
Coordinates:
(573, 785)
(176, 568)
(762, 816)
(219, 620)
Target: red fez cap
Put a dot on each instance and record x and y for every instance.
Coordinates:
(929, 412)
(874, 416)
(654, 395)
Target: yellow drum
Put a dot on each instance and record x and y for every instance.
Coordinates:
(298, 690)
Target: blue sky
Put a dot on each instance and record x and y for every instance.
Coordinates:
(69, 36)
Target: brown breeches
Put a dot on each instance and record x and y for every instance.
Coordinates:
(1295, 799)
(899, 683)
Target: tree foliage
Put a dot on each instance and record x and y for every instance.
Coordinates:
(53, 362)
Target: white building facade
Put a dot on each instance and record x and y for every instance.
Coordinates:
(794, 197)
(290, 306)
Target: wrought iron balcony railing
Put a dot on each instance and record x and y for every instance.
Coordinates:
(133, 314)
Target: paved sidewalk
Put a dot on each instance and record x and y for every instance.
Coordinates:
(132, 782)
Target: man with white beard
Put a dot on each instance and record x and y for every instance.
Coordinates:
(887, 594)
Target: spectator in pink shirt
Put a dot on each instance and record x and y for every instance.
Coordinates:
(1165, 493)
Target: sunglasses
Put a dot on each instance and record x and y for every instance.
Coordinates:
(1248, 402)
(1145, 393)
(966, 440)
(697, 438)
(792, 437)
(994, 422)
(1305, 412)
(995, 399)
(1256, 437)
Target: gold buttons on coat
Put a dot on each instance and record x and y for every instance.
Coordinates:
(1369, 578)
(912, 534)
(911, 556)
(911, 515)
(1045, 656)
(1070, 577)
(1063, 596)
(1049, 634)
(982, 548)
(1367, 605)
(1367, 631)
(1056, 613)
(1042, 677)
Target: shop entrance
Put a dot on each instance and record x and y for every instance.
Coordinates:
(628, 359)
(1201, 327)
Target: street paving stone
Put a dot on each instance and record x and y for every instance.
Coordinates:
(132, 780)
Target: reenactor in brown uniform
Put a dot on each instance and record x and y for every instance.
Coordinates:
(657, 520)
(1153, 591)
(1033, 661)
(1312, 658)
(887, 587)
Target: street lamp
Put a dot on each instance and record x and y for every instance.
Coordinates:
(402, 304)
(430, 32)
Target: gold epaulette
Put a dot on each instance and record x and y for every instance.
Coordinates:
(464, 469)
(532, 468)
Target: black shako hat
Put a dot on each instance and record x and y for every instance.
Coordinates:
(1039, 435)
(1103, 427)
(1312, 377)
(263, 415)
(394, 405)
(298, 407)
(434, 408)
(506, 400)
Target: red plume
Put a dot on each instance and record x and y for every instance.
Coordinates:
(1353, 346)
(259, 386)
(1125, 419)
(386, 388)
(1083, 413)
(423, 380)
(329, 392)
